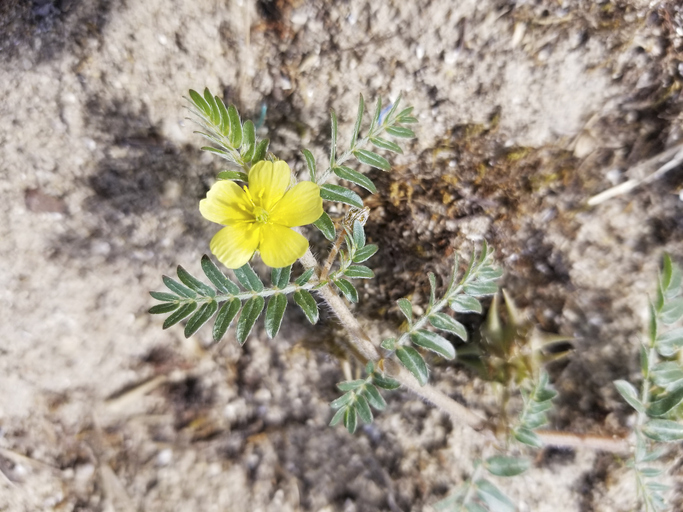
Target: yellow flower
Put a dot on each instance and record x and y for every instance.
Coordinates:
(258, 217)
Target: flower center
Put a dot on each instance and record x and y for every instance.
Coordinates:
(260, 214)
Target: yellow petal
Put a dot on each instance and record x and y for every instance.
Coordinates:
(301, 205)
(226, 202)
(281, 246)
(268, 182)
(235, 244)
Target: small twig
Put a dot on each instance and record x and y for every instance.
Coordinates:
(591, 441)
(673, 158)
(333, 254)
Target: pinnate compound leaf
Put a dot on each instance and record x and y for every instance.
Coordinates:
(363, 409)
(233, 175)
(347, 289)
(248, 278)
(666, 403)
(350, 419)
(385, 382)
(374, 398)
(326, 226)
(446, 323)
(274, 314)
(493, 497)
(372, 159)
(386, 144)
(305, 277)
(195, 284)
(179, 314)
(250, 312)
(400, 131)
(161, 309)
(340, 195)
(359, 272)
(500, 465)
(406, 308)
(672, 311)
(465, 304)
(434, 342)
(166, 297)
(364, 253)
(307, 304)
(663, 430)
(310, 164)
(414, 363)
(279, 277)
(200, 317)
(630, 394)
(225, 317)
(178, 288)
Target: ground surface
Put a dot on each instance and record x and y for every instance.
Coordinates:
(526, 109)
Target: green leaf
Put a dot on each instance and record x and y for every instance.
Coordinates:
(528, 437)
(166, 297)
(305, 277)
(326, 226)
(465, 304)
(350, 385)
(337, 417)
(235, 127)
(195, 284)
(385, 382)
(372, 159)
(249, 142)
(386, 144)
(363, 409)
(392, 110)
(630, 394)
(201, 316)
(670, 342)
(365, 253)
(341, 195)
(200, 103)
(481, 289)
(307, 304)
(180, 313)
(225, 317)
(446, 323)
(500, 465)
(672, 311)
(215, 115)
(219, 280)
(359, 179)
(667, 373)
(250, 312)
(347, 289)
(674, 287)
(350, 420)
(389, 344)
(248, 278)
(233, 175)
(489, 274)
(644, 361)
(375, 116)
(434, 342)
(665, 404)
(218, 152)
(333, 141)
(414, 362)
(371, 393)
(358, 235)
(406, 308)
(178, 288)
(400, 131)
(359, 120)
(342, 401)
(359, 272)
(663, 430)
(274, 314)
(667, 271)
(260, 151)
(654, 325)
(161, 309)
(224, 125)
(432, 288)
(493, 497)
(310, 163)
(279, 277)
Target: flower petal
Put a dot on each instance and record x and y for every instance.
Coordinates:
(281, 246)
(301, 205)
(236, 243)
(226, 202)
(268, 182)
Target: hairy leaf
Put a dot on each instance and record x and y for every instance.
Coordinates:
(274, 314)
(248, 278)
(166, 297)
(178, 288)
(350, 420)
(359, 272)
(305, 277)
(342, 401)
(400, 131)
(663, 430)
(665, 404)
(350, 385)
(500, 465)
(385, 382)
(250, 312)
(386, 144)
(465, 304)
(235, 127)
(414, 362)
(359, 179)
(310, 164)
(347, 289)
(200, 317)
(326, 226)
(528, 437)
(374, 398)
(372, 159)
(493, 497)
(225, 317)
(481, 289)
(200, 103)
(672, 311)
(434, 342)
(195, 284)
(446, 323)
(179, 314)
(364, 253)
(630, 394)
(219, 280)
(363, 409)
(161, 309)
(406, 308)
(670, 342)
(280, 276)
(260, 151)
(359, 120)
(341, 195)
(307, 304)
(333, 141)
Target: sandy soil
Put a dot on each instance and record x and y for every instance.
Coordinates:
(526, 109)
